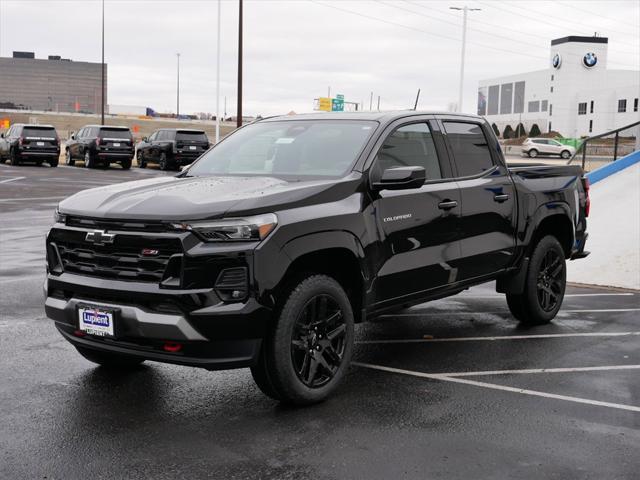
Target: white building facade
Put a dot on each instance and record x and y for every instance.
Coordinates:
(576, 96)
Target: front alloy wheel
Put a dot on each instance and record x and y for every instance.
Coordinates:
(318, 341)
(308, 351)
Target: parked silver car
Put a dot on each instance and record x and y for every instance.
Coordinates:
(546, 146)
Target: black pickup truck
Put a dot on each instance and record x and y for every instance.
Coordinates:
(267, 250)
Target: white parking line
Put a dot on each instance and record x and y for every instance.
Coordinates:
(565, 296)
(7, 200)
(12, 179)
(541, 370)
(501, 337)
(494, 386)
(444, 313)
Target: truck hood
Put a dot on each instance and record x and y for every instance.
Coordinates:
(195, 198)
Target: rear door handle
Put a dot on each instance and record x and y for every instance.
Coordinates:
(447, 205)
(501, 198)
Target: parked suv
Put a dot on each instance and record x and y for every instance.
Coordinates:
(100, 145)
(267, 250)
(172, 148)
(26, 142)
(546, 146)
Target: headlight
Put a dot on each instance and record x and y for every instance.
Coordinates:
(233, 229)
(59, 217)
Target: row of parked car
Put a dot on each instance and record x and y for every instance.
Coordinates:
(102, 145)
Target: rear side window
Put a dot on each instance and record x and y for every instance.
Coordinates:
(48, 133)
(410, 146)
(469, 146)
(186, 136)
(115, 133)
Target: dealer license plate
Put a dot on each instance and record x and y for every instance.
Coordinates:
(116, 144)
(96, 321)
(40, 144)
(192, 147)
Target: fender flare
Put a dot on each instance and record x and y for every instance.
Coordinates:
(544, 211)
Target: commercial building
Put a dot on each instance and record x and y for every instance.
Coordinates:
(576, 96)
(53, 84)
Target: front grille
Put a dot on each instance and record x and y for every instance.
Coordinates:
(101, 224)
(129, 257)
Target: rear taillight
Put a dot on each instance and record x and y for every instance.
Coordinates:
(587, 205)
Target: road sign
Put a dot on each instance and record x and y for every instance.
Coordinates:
(340, 97)
(337, 105)
(324, 104)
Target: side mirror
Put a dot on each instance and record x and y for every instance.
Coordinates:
(2, 135)
(73, 136)
(401, 178)
(145, 139)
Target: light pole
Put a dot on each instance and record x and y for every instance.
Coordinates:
(218, 79)
(178, 88)
(239, 119)
(465, 9)
(102, 72)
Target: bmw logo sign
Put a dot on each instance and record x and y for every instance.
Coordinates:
(556, 61)
(589, 60)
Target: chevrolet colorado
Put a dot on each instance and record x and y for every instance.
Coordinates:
(267, 250)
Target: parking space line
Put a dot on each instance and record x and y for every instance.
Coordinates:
(501, 337)
(626, 294)
(23, 199)
(494, 386)
(541, 370)
(431, 313)
(12, 179)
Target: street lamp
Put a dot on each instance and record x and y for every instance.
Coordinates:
(465, 9)
(178, 88)
(239, 112)
(102, 72)
(218, 79)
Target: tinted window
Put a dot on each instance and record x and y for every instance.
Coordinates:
(302, 148)
(114, 133)
(191, 136)
(470, 148)
(410, 146)
(40, 132)
(153, 136)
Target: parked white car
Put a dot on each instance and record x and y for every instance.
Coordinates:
(546, 146)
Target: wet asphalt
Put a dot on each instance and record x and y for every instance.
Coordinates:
(63, 418)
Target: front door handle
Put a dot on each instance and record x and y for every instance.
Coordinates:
(447, 205)
(501, 198)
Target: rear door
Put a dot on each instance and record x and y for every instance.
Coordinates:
(488, 207)
(418, 227)
(40, 139)
(116, 140)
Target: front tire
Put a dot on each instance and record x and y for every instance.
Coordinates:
(545, 284)
(565, 154)
(110, 360)
(533, 153)
(68, 159)
(305, 357)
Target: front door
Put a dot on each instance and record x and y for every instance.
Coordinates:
(488, 213)
(418, 227)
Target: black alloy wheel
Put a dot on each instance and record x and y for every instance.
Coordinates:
(550, 282)
(318, 341)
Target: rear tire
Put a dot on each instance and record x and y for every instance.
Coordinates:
(545, 284)
(565, 154)
(533, 153)
(110, 360)
(309, 349)
(13, 158)
(163, 163)
(126, 164)
(88, 160)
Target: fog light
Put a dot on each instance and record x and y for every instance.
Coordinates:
(172, 347)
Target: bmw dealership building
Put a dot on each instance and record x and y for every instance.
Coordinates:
(576, 96)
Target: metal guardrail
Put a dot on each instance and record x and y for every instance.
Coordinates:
(607, 147)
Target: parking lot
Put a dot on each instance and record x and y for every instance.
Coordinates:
(450, 389)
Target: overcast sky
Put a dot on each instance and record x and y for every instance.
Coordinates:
(295, 49)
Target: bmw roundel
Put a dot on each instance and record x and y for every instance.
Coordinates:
(556, 61)
(589, 60)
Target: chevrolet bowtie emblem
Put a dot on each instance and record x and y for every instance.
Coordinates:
(100, 237)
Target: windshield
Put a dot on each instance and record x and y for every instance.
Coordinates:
(115, 133)
(40, 132)
(187, 136)
(298, 148)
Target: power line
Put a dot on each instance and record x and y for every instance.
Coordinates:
(583, 10)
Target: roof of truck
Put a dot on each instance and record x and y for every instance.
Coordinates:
(376, 116)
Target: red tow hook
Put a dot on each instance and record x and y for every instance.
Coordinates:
(172, 347)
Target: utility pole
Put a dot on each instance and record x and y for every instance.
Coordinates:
(239, 119)
(178, 88)
(465, 9)
(225, 107)
(329, 92)
(218, 78)
(371, 102)
(378, 102)
(102, 72)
